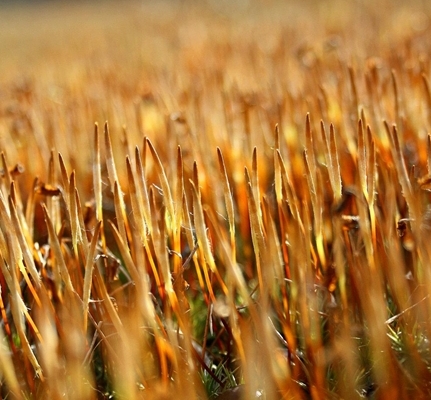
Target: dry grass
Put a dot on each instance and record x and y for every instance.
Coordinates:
(255, 214)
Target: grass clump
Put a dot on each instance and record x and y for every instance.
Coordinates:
(252, 221)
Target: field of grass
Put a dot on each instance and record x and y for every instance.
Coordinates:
(215, 200)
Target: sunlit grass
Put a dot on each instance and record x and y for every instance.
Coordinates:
(215, 201)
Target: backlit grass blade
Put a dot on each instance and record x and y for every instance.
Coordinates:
(120, 208)
(429, 153)
(7, 368)
(26, 251)
(167, 196)
(142, 185)
(426, 84)
(17, 309)
(110, 162)
(120, 212)
(291, 198)
(7, 179)
(125, 252)
(362, 159)
(30, 207)
(228, 201)
(255, 182)
(402, 171)
(97, 174)
(58, 255)
(82, 228)
(53, 202)
(202, 238)
(179, 189)
(190, 234)
(335, 163)
(256, 232)
(159, 239)
(176, 234)
(89, 272)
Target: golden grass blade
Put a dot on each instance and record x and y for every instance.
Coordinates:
(192, 242)
(125, 140)
(29, 209)
(429, 153)
(125, 253)
(372, 185)
(316, 196)
(97, 174)
(256, 232)
(426, 83)
(20, 215)
(110, 309)
(310, 178)
(142, 186)
(26, 251)
(227, 191)
(396, 98)
(7, 177)
(362, 118)
(362, 159)
(65, 180)
(83, 244)
(195, 178)
(167, 196)
(137, 205)
(354, 91)
(18, 307)
(310, 308)
(74, 221)
(7, 273)
(145, 304)
(176, 234)
(120, 208)
(309, 145)
(402, 172)
(53, 202)
(199, 224)
(328, 156)
(58, 256)
(255, 182)
(162, 256)
(120, 212)
(235, 278)
(160, 278)
(179, 190)
(292, 200)
(371, 167)
(89, 273)
(310, 273)
(335, 166)
(203, 242)
(273, 248)
(144, 153)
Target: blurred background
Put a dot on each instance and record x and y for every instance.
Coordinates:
(43, 34)
(65, 65)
